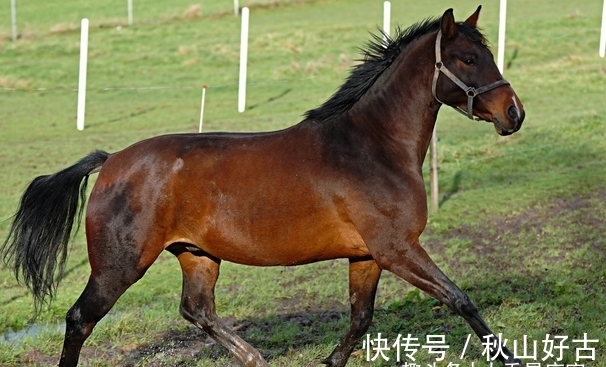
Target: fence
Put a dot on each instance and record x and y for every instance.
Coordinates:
(243, 61)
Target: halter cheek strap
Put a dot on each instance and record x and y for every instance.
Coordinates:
(470, 91)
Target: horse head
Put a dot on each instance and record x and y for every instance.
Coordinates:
(467, 78)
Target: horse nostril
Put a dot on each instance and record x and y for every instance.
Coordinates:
(513, 113)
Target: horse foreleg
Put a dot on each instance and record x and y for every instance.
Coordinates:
(414, 265)
(200, 275)
(363, 279)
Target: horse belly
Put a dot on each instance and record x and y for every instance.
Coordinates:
(285, 240)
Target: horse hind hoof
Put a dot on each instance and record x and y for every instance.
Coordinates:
(329, 362)
(326, 361)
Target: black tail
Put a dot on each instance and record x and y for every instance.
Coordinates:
(41, 228)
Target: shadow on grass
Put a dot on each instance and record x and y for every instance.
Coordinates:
(454, 188)
(123, 117)
(271, 99)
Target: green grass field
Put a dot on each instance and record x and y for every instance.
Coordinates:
(522, 220)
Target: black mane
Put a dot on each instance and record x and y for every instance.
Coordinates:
(378, 55)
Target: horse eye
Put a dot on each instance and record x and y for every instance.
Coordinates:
(469, 62)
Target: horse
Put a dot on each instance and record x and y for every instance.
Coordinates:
(345, 182)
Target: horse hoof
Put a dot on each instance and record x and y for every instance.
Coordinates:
(326, 361)
(330, 362)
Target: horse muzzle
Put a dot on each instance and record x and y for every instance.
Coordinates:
(510, 122)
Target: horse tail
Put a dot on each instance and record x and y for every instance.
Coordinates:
(37, 239)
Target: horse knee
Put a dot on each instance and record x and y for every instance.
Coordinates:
(76, 327)
(468, 307)
(361, 323)
(73, 318)
(197, 314)
(462, 304)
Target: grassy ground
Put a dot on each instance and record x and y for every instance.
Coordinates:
(522, 221)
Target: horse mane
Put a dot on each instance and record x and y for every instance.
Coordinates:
(379, 53)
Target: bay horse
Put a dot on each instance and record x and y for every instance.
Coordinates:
(345, 182)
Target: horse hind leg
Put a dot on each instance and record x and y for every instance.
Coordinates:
(113, 272)
(200, 273)
(364, 276)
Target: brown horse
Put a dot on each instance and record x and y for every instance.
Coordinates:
(345, 182)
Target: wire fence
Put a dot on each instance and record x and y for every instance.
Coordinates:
(162, 87)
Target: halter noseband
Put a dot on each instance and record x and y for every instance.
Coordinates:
(470, 91)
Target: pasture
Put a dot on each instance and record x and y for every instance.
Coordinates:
(522, 220)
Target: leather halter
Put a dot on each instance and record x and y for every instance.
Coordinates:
(470, 91)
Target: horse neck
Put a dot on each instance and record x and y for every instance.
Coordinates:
(399, 112)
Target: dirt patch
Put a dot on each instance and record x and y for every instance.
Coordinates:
(582, 217)
(177, 344)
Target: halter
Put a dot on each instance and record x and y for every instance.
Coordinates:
(470, 91)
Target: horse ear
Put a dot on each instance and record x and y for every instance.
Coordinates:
(448, 25)
(473, 18)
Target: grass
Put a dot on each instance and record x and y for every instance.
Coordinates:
(522, 222)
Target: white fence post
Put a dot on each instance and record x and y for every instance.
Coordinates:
(602, 50)
(501, 49)
(243, 60)
(386, 19)
(14, 19)
(433, 157)
(129, 6)
(82, 74)
(202, 108)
